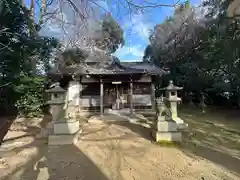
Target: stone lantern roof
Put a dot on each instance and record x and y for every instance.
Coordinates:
(56, 89)
(57, 95)
(172, 87)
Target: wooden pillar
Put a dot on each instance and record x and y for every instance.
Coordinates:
(131, 96)
(80, 93)
(153, 96)
(101, 97)
(77, 84)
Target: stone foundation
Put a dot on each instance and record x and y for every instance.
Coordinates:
(62, 139)
(167, 136)
(166, 126)
(66, 127)
(166, 131)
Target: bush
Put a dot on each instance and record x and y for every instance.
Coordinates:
(31, 96)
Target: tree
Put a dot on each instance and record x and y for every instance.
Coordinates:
(99, 46)
(23, 53)
(202, 51)
(176, 30)
(72, 56)
(111, 35)
(79, 13)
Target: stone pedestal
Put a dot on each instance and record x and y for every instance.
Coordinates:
(62, 139)
(167, 136)
(166, 131)
(66, 127)
(64, 132)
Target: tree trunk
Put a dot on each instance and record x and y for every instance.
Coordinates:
(42, 11)
(32, 9)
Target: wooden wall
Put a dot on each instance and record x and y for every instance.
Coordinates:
(90, 94)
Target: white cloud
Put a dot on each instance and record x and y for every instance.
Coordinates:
(138, 25)
(132, 51)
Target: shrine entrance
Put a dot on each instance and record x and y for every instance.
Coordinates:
(116, 95)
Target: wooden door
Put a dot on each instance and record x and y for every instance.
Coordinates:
(109, 95)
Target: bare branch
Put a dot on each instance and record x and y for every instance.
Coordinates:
(3, 30)
(76, 9)
(4, 46)
(151, 5)
(92, 1)
(5, 84)
(84, 12)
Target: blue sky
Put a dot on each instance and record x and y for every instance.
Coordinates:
(136, 28)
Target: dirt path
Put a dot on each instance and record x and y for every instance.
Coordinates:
(114, 151)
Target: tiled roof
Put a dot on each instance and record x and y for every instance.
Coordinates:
(111, 68)
(144, 66)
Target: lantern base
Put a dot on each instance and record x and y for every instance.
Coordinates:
(166, 131)
(167, 136)
(63, 139)
(166, 126)
(66, 127)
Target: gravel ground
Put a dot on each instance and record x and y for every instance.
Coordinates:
(112, 151)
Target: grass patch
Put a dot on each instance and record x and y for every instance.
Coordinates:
(212, 130)
(166, 143)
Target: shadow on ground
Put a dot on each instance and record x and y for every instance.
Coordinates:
(55, 163)
(135, 126)
(5, 123)
(26, 126)
(208, 138)
(213, 136)
(51, 162)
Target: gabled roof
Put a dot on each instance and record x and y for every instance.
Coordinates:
(145, 66)
(113, 67)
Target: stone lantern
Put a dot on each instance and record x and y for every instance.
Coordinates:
(173, 99)
(56, 102)
(64, 129)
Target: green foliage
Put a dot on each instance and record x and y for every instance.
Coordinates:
(170, 144)
(74, 56)
(111, 35)
(22, 51)
(113, 32)
(31, 95)
(109, 38)
(208, 61)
